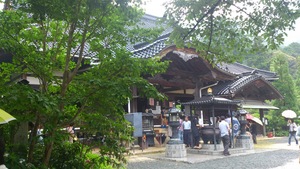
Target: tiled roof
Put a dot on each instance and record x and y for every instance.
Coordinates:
(151, 49)
(207, 100)
(240, 69)
(227, 88)
(232, 86)
(150, 22)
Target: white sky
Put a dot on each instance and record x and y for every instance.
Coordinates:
(156, 8)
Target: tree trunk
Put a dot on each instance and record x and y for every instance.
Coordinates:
(21, 135)
(47, 153)
(33, 140)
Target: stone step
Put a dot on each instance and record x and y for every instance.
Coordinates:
(217, 152)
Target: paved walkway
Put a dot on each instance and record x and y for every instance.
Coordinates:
(276, 146)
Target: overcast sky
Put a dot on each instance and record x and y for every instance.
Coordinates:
(156, 8)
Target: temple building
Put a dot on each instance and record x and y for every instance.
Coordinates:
(189, 75)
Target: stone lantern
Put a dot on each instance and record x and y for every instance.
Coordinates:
(174, 123)
(174, 147)
(243, 140)
(243, 121)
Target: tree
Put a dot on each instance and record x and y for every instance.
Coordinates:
(286, 87)
(292, 49)
(297, 79)
(54, 41)
(260, 60)
(225, 30)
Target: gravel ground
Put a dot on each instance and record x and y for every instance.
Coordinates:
(270, 154)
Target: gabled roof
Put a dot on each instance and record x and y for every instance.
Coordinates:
(251, 86)
(243, 70)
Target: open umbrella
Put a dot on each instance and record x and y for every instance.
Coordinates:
(249, 116)
(5, 117)
(257, 120)
(254, 119)
(289, 114)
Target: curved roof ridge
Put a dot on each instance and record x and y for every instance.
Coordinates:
(242, 82)
(234, 86)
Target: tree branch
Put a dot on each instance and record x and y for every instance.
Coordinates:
(211, 33)
(243, 11)
(210, 11)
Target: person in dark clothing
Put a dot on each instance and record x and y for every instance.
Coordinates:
(195, 132)
(253, 131)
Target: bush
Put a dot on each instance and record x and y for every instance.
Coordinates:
(281, 133)
(66, 155)
(74, 155)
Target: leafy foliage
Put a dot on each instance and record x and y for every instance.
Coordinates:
(228, 30)
(55, 42)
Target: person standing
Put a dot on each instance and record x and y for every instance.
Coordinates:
(180, 129)
(40, 133)
(225, 130)
(196, 133)
(187, 132)
(70, 130)
(228, 120)
(253, 131)
(292, 130)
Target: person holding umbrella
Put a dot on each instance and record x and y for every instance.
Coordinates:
(292, 130)
(253, 132)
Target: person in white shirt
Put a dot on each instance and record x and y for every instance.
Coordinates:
(186, 131)
(225, 130)
(292, 131)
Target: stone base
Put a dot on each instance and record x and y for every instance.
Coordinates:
(175, 150)
(244, 141)
(212, 146)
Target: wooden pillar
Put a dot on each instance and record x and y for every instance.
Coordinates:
(199, 84)
(214, 126)
(187, 109)
(262, 115)
(232, 129)
(133, 102)
(191, 119)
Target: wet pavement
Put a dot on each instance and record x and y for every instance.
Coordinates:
(269, 153)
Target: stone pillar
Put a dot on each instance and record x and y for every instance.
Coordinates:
(244, 141)
(175, 150)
